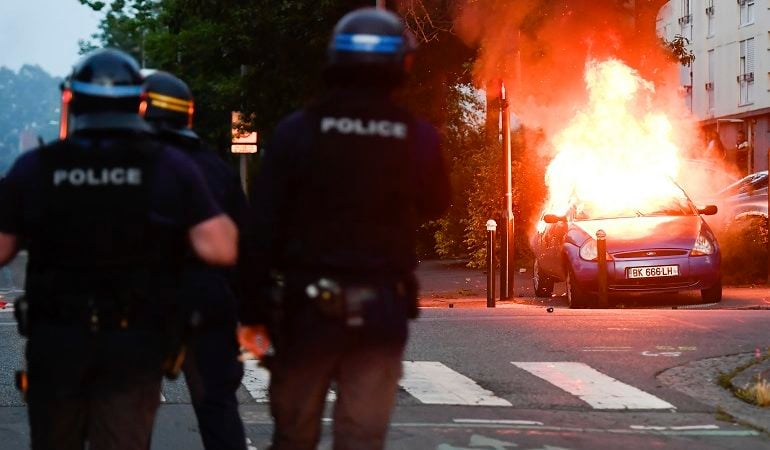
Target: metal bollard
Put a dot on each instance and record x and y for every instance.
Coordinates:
(601, 259)
(491, 228)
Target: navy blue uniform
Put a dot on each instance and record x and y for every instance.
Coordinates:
(104, 219)
(212, 368)
(336, 205)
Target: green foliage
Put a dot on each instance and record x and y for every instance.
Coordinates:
(266, 58)
(744, 251)
(29, 103)
(478, 182)
(679, 51)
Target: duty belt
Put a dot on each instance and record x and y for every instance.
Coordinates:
(95, 313)
(348, 301)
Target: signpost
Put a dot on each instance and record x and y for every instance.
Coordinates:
(242, 143)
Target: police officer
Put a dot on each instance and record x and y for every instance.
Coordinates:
(212, 369)
(106, 215)
(341, 192)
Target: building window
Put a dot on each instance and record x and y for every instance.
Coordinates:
(746, 72)
(746, 11)
(710, 84)
(710, 19)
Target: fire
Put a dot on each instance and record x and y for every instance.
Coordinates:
(617, 154)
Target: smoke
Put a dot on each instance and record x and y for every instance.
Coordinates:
(540, 48)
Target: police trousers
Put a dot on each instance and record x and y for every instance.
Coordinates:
(99, 387)
(363, 365)
(213, 374)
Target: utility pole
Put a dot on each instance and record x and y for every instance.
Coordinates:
(507, 269)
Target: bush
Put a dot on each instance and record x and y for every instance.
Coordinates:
(744, 251)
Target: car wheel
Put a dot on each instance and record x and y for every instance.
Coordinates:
(542, 283)
(576, 297)
(712, 294)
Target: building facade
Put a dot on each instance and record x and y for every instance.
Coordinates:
(728, 85)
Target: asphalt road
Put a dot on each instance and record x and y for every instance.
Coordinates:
(512, 377)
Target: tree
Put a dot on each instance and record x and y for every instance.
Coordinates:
(266, 58)
(29, 103)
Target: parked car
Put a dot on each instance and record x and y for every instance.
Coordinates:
(703, 179)
(662, 249)
(741, 201)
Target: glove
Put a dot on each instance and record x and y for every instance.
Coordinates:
(254, 339)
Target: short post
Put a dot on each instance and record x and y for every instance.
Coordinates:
(491, 228)
(601, 259)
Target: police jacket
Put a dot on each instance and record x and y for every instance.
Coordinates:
(208, 290)
(104, 216)
(341, 191)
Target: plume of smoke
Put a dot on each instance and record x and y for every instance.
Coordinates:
(540, 48)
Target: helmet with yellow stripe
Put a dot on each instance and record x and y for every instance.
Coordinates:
(167, 104)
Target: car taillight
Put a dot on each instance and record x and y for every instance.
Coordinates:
(703, 246)
(588, 251)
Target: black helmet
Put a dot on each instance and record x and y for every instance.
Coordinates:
(102, 93)
(369, 43)
(167, 104)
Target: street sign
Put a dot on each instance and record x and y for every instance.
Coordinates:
(242, 142)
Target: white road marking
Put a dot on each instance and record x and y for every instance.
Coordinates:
(257, 379)
(605, 349)
(664, 354)
(593, 387)
(540, 428)
(499, 422)
(676, 428)
(433, 383)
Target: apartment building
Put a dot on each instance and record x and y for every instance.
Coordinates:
(728, 85)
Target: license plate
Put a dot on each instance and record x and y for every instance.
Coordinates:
(652, 272)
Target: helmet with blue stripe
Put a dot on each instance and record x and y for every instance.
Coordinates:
(102, 92)
(369, 44)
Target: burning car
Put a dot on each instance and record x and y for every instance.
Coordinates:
(660, 247)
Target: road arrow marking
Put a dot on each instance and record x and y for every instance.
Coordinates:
(433, 383)
(593, 387)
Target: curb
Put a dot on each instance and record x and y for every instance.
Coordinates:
(698, 379)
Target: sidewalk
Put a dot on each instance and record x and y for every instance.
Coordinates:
(451, 284)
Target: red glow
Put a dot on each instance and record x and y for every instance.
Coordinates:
(66, 99)
(143, 108)
(190, 115)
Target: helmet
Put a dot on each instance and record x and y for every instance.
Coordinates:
(167, 104)
(370, 42)
(102, 93)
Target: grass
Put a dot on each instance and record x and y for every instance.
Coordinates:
(723, 415)
(757, 393)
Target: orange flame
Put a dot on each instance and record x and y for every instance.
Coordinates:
(616, 155)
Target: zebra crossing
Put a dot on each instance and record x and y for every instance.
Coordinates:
(434, 383)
